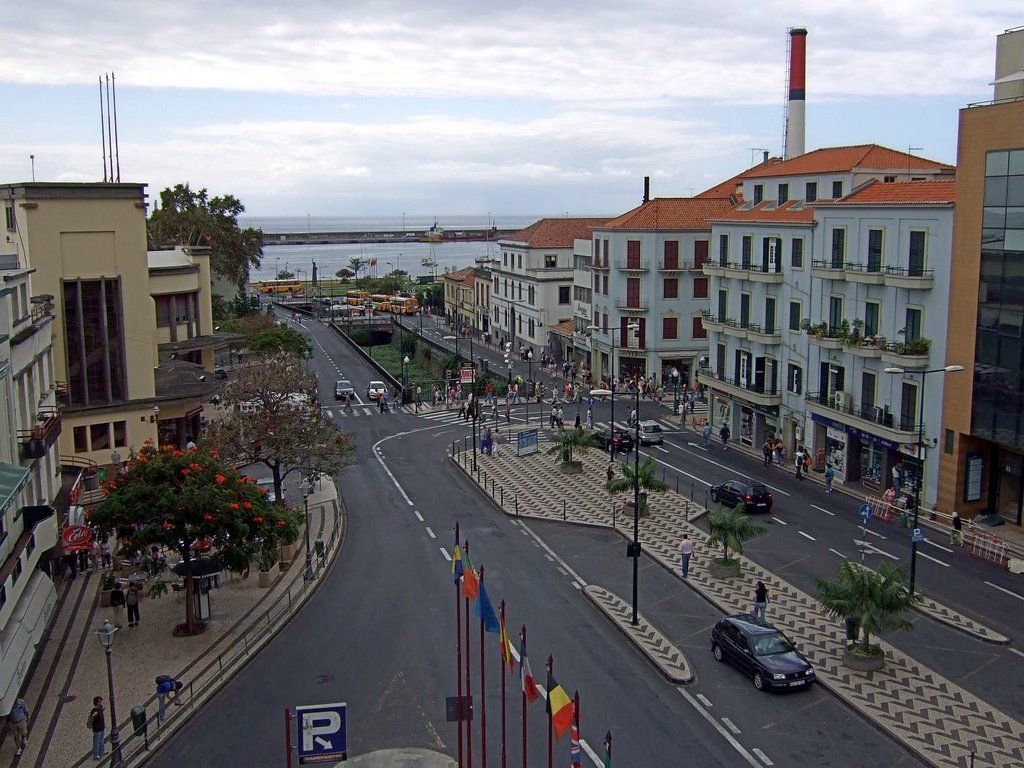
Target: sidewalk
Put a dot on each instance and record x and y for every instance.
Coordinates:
(930, 715)
(71, 667)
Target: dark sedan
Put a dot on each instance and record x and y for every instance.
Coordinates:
(762, 652)
(620, 438)
(753, 496)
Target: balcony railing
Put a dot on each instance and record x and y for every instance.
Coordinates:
(627, 303)
(840, 402)
(35, 442)
(674, 265)
(910, 272)
(910, 277)
(42, 307)
(761, 388)
(632, 265)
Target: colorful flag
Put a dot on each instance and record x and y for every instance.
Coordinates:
(575, 750)
(373, 262)
(470, 584)
(559, 706)
(485, 611)
(526, 674)
(506, 646)
(457, 569)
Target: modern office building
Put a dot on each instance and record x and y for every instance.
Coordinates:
(982, 449)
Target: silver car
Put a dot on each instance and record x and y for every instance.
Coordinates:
(650, 433)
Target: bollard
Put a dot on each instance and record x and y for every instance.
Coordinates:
(687, 518)
(501, 491)
(613, 514)
(563, 510)
(517, 505)
(485, 481)
(677, 483)
(691, 490)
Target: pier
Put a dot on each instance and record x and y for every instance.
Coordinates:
(410, 236)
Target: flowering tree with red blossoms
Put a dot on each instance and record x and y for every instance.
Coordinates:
(178, 498)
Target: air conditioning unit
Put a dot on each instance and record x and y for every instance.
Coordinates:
(839, 400)
(878, 414)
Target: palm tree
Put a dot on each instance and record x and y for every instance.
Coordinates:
(568, 441)
(356, 264)
(874, 601)
(644, 474)
(730, 528)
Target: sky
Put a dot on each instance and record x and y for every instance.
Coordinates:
(438, 107)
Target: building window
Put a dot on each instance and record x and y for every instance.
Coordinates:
(604, 321)
(81, 440)
(795, 379)
(794, 315)
(520, 286)
(669, 328)
(700, 253)
(875, 250)
(912, 330)
(748, 245)
(698, 331)
(838, 248)
(723, 250)
(18, 567)
(597, 319)
(530, 295)
(915, 261)
(811, 191)
(604, 284)
(597, 283)
(796, 253)
(531, 327)
(872, 311)
(504, 258)
(9, 217)
(948, 442)
(550, 260)
(758, 193)
(563, 294)
(120, 434)
(671, 254)
(837, 190)
(700, 287)
(670, 288)
(519, 260)
(94, 332)
(783, 194)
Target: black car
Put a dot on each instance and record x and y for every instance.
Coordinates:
(621, 438)
(343, 389)
(753, 496)
(759, 650)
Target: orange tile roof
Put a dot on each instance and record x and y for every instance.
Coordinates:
(847, 159)
(460, 275)
(671, 214)
(564, 328)
(555, 233)
(877, 192)
(728, 187)
(790, 212)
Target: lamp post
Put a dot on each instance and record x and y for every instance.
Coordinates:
(367, 309)
(307, 574)
(106, 637)
(920, 457)
(611, 343)
(405, 377)
(675, 382)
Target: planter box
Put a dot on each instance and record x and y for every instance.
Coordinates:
(571, 468)
(288, 551)
(719, 571)
(105, 598)
(863, 663)
(266, 578)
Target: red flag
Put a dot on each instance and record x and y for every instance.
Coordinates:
(373, 262)
(470, 583)
(526, 674)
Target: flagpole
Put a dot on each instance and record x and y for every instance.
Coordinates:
(469, 686)
(483, 685)
(504, 650)
(575, 757)
(608, 750)
(522, 635)
(458, 651)
(551, 714)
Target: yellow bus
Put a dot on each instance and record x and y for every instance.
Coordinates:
(381, 302)
(279, 286)
(356, 298)
(404, 305)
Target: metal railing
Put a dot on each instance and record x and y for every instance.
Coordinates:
(920, 272)
(628, 303)
(865, 411)
(828, 264)
(639, 265)
(859, 266)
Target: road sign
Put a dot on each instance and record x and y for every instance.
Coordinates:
(323, 733)
(466, 375)
(527, 442)
(865, 512)
(917, 536)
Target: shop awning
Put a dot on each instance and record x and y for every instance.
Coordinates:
(12, 479)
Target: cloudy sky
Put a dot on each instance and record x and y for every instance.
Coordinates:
(440, 107)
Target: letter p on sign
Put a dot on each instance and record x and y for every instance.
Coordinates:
(322, 732)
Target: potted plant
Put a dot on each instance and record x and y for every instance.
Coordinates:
(266, 559)
(106, 587)
(870, 602)
(730, 528)
(642, 476)
(566, 443)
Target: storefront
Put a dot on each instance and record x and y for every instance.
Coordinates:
(750, 424)
(861, 457)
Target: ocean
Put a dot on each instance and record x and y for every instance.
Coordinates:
(406, 255)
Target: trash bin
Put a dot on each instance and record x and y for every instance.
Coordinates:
(851, 630)
(139, 720)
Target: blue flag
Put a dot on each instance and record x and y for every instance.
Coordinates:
(485, 611)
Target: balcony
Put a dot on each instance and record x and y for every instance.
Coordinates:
(712, 322)
(870, 347)
(733, 328)
(825, 336)
(874, 419)
(36, 442)
(600, 264)
(674, 265)
(632, 265)
(907, 354)
(631, 305)
(42, 311)
(757, 332)
(868, 274)
(713, 269)
(752, 392)
(828, 270)
(914, 279)
(758, 273)
(692, 266)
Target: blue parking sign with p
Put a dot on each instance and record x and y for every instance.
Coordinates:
(322, 732)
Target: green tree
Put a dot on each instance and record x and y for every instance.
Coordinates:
(730, 528)
(648, 482)
(177, 498)
(279, 338)
(355, 265)
(875, 601)
(186, 217)
(274, 419)
(567, 442)
(285, 274)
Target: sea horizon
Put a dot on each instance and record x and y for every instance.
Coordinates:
(389, 223)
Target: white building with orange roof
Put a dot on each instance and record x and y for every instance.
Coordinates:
(834, 269)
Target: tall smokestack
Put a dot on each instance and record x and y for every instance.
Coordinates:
(797, 92)
(647, 189)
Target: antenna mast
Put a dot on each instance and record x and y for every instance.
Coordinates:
(117, 144)
(103, 134)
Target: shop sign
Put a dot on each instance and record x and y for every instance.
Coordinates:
(838, 435)
(868, 437)
(972, 477)
(76, 537)
(829, 423)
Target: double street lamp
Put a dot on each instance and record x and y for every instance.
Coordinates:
(675, 382)
(308, 574)
(612, 378)
(405, 379)
(920, 455)
(106, 637)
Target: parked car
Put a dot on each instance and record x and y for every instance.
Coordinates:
(650, 433)
(343, 389)
(753, 496)
(620, 437)
(761, 651)
(375, 390)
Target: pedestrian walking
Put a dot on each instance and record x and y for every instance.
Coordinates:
(508, 413)
(760, 600)
(724, 433)
(590, 419)
(632, 416)
(576, 425)
(610, 473)
(830, 474)
(897, 475)
(766, 451)
(166, 688)
(98, 725)
(799, 461)
(419, 397)
(553, 418)
(956, 532)
(17, 724)
(105, 553)
(560, 417)
(131, 599)
(685, 553)
(706, 434)
(117, 603)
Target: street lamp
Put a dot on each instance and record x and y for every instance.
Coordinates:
(405, 378)
(629, 327)
(920, 456)
(675, 382)
(307, 574)
(106, 637)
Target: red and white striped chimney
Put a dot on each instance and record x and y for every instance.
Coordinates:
(797, 92)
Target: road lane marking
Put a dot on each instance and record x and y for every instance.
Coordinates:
(561, 570)
(938, 546)
(704, 700)
(663, 450)
(872, 548)
(731, 726)
(836, 551)
(430, 533)
(720, 728)
(577, 585)
(868, 530)
(591, 753)
(1014, 650)
(934, 560)
(446, 555)
(780, 521)
(763, 756)
(727, 469)
(807, 536)
(418, 515)
(676, 469)
(823, 510)
(1007, 591)
(538, 540)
